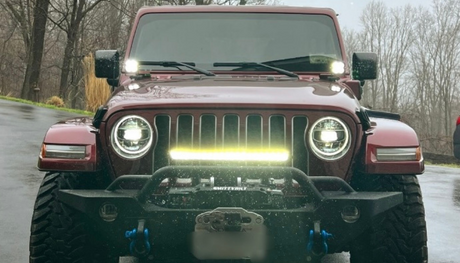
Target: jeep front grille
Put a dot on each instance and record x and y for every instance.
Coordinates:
(201, 130)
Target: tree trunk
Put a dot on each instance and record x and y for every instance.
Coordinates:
(72, 36)
(116, 12)
(77, 91)
(68, 53)
(35, 51)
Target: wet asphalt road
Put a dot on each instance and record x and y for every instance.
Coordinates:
(22, 128)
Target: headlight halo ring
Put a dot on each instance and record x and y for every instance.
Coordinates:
(123, 151)
(345, 142)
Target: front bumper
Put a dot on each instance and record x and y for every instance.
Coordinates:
(287, 230)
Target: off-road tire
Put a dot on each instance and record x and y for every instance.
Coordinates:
(58, 232)
(399, 235)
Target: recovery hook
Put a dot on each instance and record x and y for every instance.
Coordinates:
(140, 244)
(317, 240)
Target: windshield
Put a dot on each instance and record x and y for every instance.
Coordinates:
(295, 42)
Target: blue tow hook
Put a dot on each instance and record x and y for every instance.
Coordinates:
(139, 245)
(323, 236)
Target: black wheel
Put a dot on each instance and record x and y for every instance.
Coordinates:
(399, 235)
(58, 232)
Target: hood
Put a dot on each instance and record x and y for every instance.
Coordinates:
(234, 93)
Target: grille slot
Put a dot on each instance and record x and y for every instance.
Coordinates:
(277, 131)
(254, 132)
(242, 130)
(231, 134)
(163, 128)
(208, 126)
(184, 136)
(300, 153)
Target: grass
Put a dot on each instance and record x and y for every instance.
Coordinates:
(82, 112)
(97, 92)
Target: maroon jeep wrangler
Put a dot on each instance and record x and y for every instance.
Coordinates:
(233, 133)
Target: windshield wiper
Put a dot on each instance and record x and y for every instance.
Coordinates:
(175, 64)
(255, 64)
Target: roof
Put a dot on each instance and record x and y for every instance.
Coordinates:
(236, 9)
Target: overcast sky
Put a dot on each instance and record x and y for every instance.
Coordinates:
(349, 11)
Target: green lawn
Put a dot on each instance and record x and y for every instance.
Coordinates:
(47, 106)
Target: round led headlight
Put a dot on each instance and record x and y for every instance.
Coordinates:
(329, 138)
(132, 136)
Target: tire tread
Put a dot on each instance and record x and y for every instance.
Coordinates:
(399, 235)
(57, 231)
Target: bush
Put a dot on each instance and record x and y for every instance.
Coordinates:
(56, 101)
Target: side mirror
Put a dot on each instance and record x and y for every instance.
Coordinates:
(107, 64)
(364, 66)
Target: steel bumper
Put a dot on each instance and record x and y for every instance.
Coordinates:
(287, 229)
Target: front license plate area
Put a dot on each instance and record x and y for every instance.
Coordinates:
(229, 233)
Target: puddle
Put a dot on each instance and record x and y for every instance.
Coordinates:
(456, 193)
(61, 115)
(27, 111)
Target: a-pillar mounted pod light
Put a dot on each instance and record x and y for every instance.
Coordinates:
(337, 67)
(131, 66)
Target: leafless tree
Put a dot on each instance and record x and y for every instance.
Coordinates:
(17, 37)
(35, 51)
(68, 16)
(419, 63)
(388, 32)
(439, 66)
(20, 13)
(352, 40)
